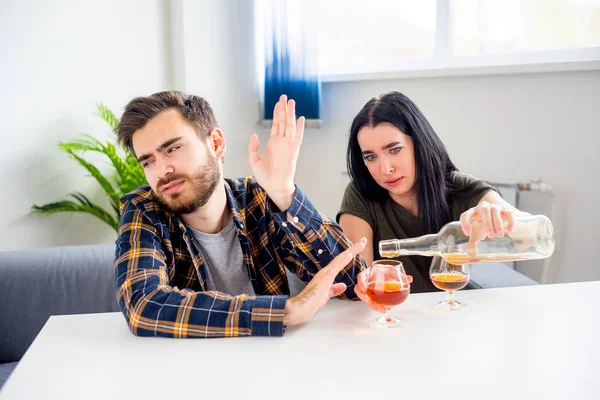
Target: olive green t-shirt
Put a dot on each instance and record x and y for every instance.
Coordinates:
(389, 220)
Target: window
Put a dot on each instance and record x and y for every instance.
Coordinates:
(513, 26)
(372, 36)
(367, 35)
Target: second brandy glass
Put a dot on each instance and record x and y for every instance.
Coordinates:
(388, 286)
(449, 277)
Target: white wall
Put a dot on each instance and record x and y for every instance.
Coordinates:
(218, 60)
(58, 59)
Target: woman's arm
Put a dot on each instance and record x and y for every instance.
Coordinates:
(356, 228)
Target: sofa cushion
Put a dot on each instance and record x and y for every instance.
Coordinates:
(5, 370)
(493, 275)
(35, 284)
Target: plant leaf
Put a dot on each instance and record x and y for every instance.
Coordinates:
(83, 205)
(127, 174)
(101, 179)
(107, 116)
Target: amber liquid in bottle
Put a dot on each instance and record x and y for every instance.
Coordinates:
(458, 258)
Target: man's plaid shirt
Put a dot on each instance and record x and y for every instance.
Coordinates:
(161, 277)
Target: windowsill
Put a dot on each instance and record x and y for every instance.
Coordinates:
(466, 70)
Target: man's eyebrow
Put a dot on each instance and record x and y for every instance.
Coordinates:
(160, 148)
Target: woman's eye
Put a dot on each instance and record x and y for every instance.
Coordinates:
(395, 150)
(370, 157)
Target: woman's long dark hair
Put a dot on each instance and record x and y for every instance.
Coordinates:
(432, 163)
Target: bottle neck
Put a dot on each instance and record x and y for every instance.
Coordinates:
(426, 245)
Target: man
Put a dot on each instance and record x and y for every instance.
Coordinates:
(202, 256)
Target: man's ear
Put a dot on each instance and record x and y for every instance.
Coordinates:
(216, 142)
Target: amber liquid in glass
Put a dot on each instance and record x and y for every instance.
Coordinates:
(449, 281)
(388, 293)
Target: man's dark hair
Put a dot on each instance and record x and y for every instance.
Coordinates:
(140, 110)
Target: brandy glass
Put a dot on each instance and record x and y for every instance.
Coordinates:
(449, 277)
(388, 286)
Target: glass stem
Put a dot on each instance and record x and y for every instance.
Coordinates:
(449, 297)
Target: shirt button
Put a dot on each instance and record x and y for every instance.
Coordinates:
(320, 251)
(295, 219)
(284, 224)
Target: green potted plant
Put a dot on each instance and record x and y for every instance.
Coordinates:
(126, 175)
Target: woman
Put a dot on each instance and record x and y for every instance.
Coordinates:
(403, 184)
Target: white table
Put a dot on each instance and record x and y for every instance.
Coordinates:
(536, 342)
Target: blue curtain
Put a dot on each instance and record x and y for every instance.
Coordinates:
(291, 59)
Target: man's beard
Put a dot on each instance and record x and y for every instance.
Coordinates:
(203, 185)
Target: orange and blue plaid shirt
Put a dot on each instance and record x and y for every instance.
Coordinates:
(160, 276)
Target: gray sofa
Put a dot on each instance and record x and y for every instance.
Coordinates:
(36, 284)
